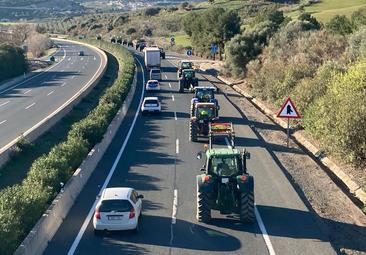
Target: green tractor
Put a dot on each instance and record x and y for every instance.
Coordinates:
(187, 80)
(202, 116)
(226, 185)
(182, 65)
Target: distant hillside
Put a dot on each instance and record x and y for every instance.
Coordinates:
(20, 2)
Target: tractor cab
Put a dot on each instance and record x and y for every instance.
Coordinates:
(183, 65)
(206, 95)
(187, 80)
(205, 112)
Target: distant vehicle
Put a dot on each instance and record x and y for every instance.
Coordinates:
(52, 59)
(152, 57)
(118, 209)
(99, 37)
(124, 42)
(113, 40)
(81, 53)
(151, 105)
(152, 85)
(130, 44)
(119, 40)
(155, 74)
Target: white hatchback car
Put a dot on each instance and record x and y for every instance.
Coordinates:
(152, 85)
(151, 105)
(118, 209)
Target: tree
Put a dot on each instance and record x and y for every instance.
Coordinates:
(311, 22)
(340, 24)
(358, 18)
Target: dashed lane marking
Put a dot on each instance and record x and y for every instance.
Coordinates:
(29, 90)
(50, 93)
(29, 106)
(2, 122)
(5, 103)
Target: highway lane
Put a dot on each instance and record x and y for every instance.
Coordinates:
(24, 105)
(159, 161)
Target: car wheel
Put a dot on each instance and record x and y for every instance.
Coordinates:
(138, 226)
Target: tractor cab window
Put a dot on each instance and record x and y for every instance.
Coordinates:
(205, 95)
(205, 113)
(188, 74)
(224, 166)
(186, 65)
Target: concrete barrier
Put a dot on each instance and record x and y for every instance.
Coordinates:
(38, 238)
(45, 124)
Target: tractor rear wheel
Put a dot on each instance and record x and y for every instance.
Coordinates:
(247, 214)
(192, 131)
(192, 109)
(203, 207)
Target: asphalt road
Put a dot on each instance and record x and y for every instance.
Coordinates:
(159, 161)
(25, 104)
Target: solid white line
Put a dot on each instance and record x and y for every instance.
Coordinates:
(175, 116)
(264, 232)
(29, 106)
(260, 221)
(173, 98)
(177, 146)
(170, 85)
(111, 171)
(4, 103)
(50, 93)
(27, 91)
(31, 78)
(2, 122)
(175, 207)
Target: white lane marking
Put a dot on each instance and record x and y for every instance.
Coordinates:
(2, 122)
(50, 93)
(72, 77)
(4, 103)
(264, 232)
(170, 85)
(177, 146)
(95, 58)
(111, 171)
(166, 77)
(62, 71)
(260, 221)
(29, 90)
(68, 59)
(175, 207)
(173, 98)
(63, 84)
(175, 116)
(29, 106)
(82, 59)
(31, 78)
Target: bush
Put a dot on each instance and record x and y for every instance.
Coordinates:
(338, 119)
(340, 24)
(12, 62)
(152, 11)
(130, 31)
(358, 18)
(357, 45)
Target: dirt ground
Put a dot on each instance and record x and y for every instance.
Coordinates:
(340, 219)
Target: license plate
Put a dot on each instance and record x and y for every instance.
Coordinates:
(117, 217)
(224, 180)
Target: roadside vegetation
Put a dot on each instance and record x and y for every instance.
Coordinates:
(12, 62)
(21, 205)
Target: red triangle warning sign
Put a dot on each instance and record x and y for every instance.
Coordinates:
(288, 110)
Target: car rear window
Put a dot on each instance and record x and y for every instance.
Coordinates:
(115, 205)
(155, 71)
(151, 102)
(153, 84)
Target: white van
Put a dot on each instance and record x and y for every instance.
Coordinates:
(155, 74)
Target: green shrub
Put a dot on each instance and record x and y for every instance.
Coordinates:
(357, 45)
(338, 119)
(12, 62)
(340, 24)
(152, 11)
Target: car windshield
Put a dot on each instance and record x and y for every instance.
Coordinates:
(204, 95)
(151, 102)
(117, 205)
(205, 113)
(224, 166)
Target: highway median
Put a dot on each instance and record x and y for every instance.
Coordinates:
(23, 204)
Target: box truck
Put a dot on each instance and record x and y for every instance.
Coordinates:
(152, 57)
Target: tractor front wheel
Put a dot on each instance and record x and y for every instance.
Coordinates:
(181, 86)
(192, 131)
(247, 214)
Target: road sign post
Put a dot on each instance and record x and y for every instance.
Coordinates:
(289, 111)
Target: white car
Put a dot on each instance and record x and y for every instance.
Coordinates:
(151, 105)
(152, 85)
(155, 74)
(118, 209)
